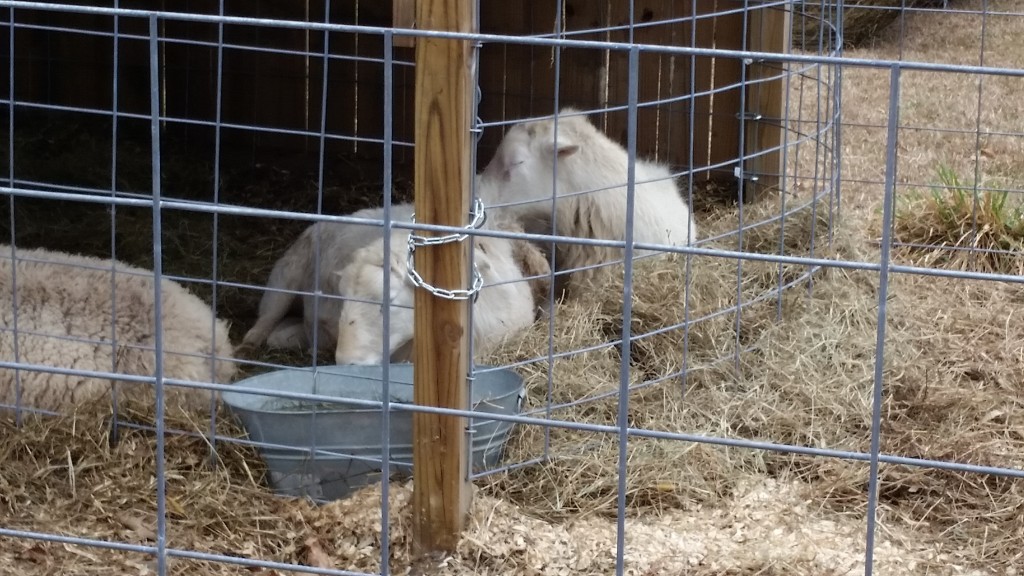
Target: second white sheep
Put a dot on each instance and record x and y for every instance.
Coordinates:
(590, 193)
(287, 320)
(310, 263)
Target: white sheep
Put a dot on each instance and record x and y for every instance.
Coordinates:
(295, 272)
(591, 198)
(66, 307)
(505, 305)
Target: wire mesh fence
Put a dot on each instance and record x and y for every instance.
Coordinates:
(823, 379)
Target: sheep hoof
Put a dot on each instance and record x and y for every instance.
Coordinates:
(289, 336)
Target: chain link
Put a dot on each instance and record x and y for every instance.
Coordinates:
(479, 217)
(457, 294)
(415, 241)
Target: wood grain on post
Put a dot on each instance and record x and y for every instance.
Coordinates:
(444, 96)
(769, 31)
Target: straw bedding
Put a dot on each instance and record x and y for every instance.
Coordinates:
(767, 527)
(692, 508)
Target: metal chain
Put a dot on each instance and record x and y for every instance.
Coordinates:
(457, 294)
(415, 241)
(479, 217)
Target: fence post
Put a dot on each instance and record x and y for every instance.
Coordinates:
(444, 93)
(769, 30)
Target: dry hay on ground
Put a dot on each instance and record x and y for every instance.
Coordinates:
(951, 383)
(82, 486)
(582, 478)
(953, 364)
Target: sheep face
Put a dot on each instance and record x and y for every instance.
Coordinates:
(360, 324)
(524, 164)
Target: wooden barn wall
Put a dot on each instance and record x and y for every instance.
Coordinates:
(268, 96)
(519, 81)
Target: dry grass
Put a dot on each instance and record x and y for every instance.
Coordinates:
(582, 477)
(864, 20)
(950, 374)
(63, 475)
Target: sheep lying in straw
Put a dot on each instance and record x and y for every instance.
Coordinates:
(506, 304)
(591, 190)
(296, 271)
(72, 314)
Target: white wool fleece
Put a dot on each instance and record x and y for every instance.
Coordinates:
(64, 315)
(590, 192)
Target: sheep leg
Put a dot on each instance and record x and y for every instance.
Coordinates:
(289, 273)
(290, 334)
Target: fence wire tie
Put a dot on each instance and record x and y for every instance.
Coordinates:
(751, 176)
(470, 379)
(479, 216)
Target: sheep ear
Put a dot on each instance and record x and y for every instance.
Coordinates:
(567, 150)
(564, 146)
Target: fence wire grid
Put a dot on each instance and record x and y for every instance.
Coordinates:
(851, 169)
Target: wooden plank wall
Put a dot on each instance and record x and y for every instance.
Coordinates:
(269, 91)
(262, 91)
(769, 32)
(518, 81)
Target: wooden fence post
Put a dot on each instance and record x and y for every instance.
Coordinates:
(769, 30)
(444, 93)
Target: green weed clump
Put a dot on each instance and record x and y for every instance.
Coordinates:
(961, 226)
